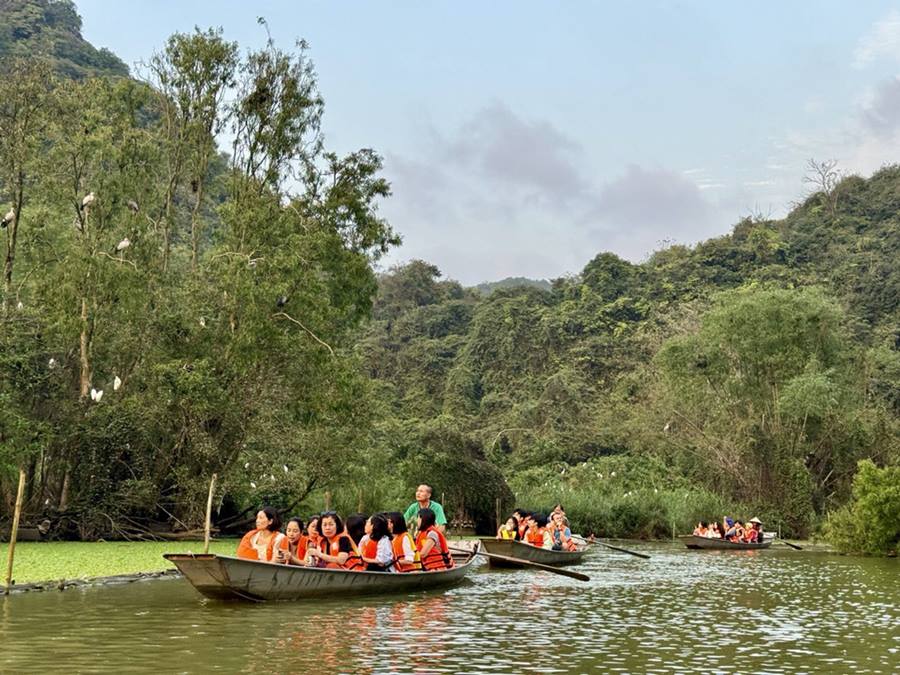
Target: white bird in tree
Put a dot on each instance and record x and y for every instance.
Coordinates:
(122, 245)
(117, 383)
(20, 306)
(252, 484)
(51, 363)
(202, 322)
(8, 219)
(89, 199)
(133, 206)
(96, 395)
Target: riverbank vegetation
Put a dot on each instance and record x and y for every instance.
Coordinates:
(175, 305)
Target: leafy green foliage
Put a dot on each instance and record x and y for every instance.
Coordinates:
(870, 522)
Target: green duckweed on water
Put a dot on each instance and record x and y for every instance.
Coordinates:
(50, 561)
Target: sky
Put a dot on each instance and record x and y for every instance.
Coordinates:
(522, 138)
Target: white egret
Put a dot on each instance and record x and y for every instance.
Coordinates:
(96, 395)
(252, 484)
(133, 206)
(117, 383)
(122, 245)
(89, 199)
(202, 322)
(8, 219)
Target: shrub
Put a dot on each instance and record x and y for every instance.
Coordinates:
(870, 523)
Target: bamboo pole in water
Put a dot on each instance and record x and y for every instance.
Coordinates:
(212, 486)
(13, 533)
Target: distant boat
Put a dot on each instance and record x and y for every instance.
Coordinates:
(517, 549)
(695, 542)
(224, 577)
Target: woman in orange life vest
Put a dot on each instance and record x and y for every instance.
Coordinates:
(521, 516)
(336, 549)
(312, 540)
(432, 545)
(560, 534)
(261, 542)
(375, 546)
(406, 557)
(537, 534)
(294, 550)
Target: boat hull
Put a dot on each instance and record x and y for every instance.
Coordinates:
(228, 578)
(518, 549)
(695, 542)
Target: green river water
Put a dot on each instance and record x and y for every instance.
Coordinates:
(774, 611)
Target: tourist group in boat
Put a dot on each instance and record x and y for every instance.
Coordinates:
(381, 542)
(537, 529)
(731, 530)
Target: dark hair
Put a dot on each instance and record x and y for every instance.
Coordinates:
(703, 523)
(356, 526)
(273, 516)
(295, 519)
(339, 524)
(561, 508)
(521, 512)
(540, 519)
(379, 527)
(314, 519)
(397, 521)
(428, 518)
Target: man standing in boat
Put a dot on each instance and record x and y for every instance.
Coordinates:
(424, 501)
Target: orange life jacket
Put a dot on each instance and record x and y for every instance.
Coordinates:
(369, 549)
(536, 537)
(523, 528)
(332, 547)
(400, 564)
(438, 557)
(247, 551)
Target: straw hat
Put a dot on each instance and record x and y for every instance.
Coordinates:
(756, 520)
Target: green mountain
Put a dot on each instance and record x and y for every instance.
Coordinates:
(52, 28)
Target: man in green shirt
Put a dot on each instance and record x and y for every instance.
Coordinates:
(423, 501)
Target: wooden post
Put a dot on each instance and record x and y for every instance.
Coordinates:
(212, 486)
(328, 500)
(359, 503)
(499, 513)
(13, 533)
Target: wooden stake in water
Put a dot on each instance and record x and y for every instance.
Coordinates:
(212, 486)
(14, 532)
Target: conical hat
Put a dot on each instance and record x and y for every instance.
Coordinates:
(756, 520)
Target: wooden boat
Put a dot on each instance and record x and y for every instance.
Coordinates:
(523, 551)
(224, 577)
(695, 542)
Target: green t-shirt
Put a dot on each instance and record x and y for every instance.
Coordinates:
(413, 511)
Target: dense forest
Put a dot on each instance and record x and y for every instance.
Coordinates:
(174, 306)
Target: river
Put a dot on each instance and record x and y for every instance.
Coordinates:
(774, 611)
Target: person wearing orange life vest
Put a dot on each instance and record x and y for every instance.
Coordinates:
(262, 542)
(312, 540)
(295, 550)
(375, 545)
(432, 545)
(701, 530)
(521, 516)
(537, 534)
(336, 549)
(406, 556)
(560, 534)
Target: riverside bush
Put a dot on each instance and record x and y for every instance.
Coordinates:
(870, 523)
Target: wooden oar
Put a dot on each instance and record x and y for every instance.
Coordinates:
(614, 548)
(787, 543)
(526, 563)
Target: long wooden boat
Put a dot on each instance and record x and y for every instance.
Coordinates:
(523, 551)
(695, 542)
(224, 577)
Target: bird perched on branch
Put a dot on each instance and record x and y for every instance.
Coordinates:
(89, 199)
(133, 206)
(282, 301)
(122, 245)
(8, 219)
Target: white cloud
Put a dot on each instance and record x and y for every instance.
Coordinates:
(882, 40)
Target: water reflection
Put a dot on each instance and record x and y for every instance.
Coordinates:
(682, 611)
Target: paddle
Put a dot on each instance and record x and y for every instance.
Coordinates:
(526, 563)
(787, 543)
(614, 548)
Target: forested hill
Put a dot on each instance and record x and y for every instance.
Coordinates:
(757, 366)
(489, 287)
(53, 28)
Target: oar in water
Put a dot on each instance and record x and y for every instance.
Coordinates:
(787, 543)
(614, 548)
(526, 563)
